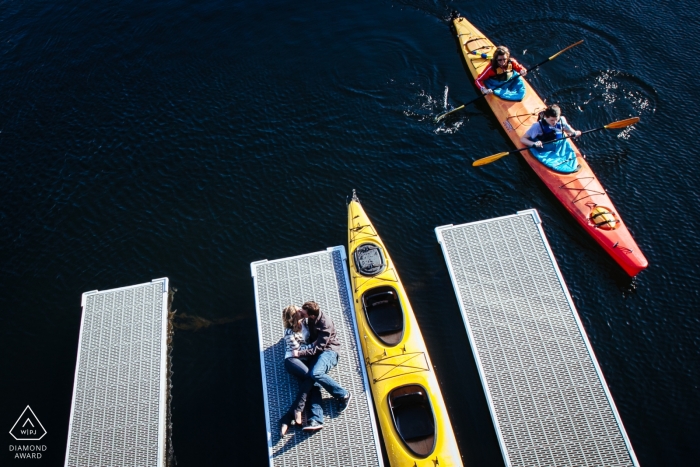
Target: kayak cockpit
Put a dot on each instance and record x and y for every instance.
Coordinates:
(413, 418)
(384, 314)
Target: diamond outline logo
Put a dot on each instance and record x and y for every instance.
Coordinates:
(25, 423)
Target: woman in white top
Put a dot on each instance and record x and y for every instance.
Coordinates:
(296, 333)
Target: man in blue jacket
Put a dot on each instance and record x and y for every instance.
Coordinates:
(324, 348)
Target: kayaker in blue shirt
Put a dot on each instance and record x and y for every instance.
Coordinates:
(544, 138)
(550, 126)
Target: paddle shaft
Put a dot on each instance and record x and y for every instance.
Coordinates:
(440, 117)
(614, 125)
(559, 139)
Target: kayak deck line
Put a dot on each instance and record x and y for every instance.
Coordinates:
(120, 411)
(347, 438)
(548, 399)
(582, 189)
(402, 363)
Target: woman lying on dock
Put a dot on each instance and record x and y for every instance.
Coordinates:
(296, 333)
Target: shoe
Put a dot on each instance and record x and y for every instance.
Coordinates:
(343, 403)
(283, 430)
(297, 418)
(313, 426)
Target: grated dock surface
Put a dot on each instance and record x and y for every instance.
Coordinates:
(548, 399)
(349, 438)
(118, 411)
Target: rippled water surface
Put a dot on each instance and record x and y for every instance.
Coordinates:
(187, 139)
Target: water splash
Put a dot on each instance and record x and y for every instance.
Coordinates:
(449, 129)
(620, 87)
(424, 107)
(609, 85)
(626, 133)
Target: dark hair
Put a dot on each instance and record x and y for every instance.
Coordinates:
(311, 308)
(500, 50)
(551, 111)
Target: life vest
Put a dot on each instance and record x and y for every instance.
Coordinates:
(504, 73)
(549, 133)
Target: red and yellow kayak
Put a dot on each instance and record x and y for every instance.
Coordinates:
(580, 192)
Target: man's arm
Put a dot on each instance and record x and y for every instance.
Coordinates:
(319, 345)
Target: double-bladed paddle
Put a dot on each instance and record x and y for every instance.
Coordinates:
(610, 126)
(441, 116)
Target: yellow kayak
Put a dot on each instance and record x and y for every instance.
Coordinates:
(412, 415)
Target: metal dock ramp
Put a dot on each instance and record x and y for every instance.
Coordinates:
(347, 439)
(119, 411)
(548, 399)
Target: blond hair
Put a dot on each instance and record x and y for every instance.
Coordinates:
(289, 318)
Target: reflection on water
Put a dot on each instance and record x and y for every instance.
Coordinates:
(185, 322)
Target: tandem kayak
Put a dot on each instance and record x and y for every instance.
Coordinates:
(409, 404)
(580, 192)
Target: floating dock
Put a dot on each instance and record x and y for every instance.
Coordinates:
(120, 412)
(548, 399)
(349, 438)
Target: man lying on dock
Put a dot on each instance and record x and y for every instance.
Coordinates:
(324, 346)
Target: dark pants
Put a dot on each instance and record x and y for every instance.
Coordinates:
(309, 390)
(300, 371)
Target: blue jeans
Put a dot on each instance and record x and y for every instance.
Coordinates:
(299, 369)
(325, 362)
(309, 390)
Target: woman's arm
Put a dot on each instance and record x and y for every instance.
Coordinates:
(518, 67)
(486, 74)
(293, 340)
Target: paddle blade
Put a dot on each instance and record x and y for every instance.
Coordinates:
(564, 50)
(489, 159)
(621, 123)
(441, 116)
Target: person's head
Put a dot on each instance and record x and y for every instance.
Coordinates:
(501, 56)
(312, 309)
(291, 318)
(551, 114)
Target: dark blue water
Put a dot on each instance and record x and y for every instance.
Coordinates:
(186, 139)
